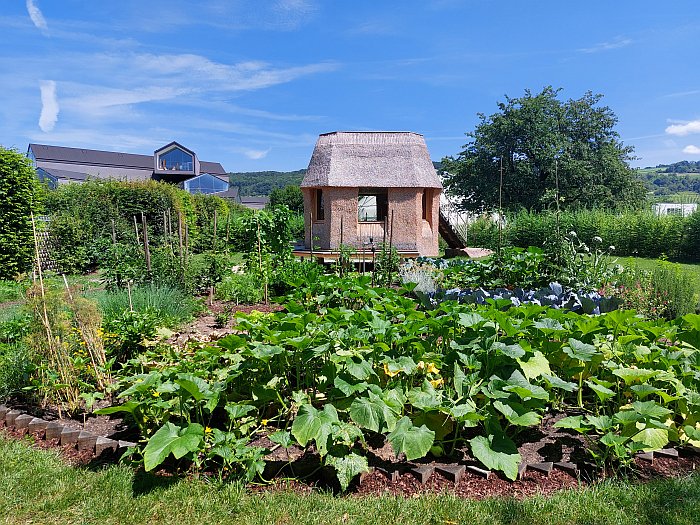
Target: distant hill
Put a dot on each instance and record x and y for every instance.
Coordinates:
(255, 183)
(670, 179)
(263, 182)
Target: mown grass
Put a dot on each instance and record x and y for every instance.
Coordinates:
(38, 487)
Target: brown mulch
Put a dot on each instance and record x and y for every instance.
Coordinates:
(204, 329)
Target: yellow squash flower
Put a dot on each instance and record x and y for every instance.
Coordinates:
(389, 372)
(432, 369)
(436, 382)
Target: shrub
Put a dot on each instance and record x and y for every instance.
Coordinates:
(129, 333)
(663, 291)
(240, 288)
(15, 369)
(20, 195)
(291, 274)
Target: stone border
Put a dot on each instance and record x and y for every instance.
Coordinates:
(101, 446)
(81, 440)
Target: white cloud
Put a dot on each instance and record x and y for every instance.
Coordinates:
(685, 128)
(691, 150)
(36, 15)
(607, 46)
(255, 154)
(49, 105)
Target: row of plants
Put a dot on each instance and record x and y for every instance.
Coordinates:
(639, 234)
(346, 364)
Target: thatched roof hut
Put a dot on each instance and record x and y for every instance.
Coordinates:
(390, 159)
(365, 187)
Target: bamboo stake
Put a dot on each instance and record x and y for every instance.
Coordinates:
(128, 289)
(146, 249)
(114, 233)
(136, 228)
(214, 243)
(179, 235)
(391, 241)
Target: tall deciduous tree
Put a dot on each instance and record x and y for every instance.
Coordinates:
(540, 143)
(19, 196)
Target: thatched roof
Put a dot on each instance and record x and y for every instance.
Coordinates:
(384, 159)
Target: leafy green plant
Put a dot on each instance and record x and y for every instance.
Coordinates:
(240, 288)
(20, 196)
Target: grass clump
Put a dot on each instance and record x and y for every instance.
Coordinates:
(172, 306)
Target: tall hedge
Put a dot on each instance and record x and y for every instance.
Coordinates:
(20, 194)
(82, 215)
(641, 234)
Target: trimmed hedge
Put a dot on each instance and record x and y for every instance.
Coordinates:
(82, 215)
(640, 234)
(20, 194)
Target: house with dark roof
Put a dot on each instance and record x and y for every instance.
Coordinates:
(172, 163)
(364, 188)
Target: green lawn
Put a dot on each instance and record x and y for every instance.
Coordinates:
(648, 264)
(37, 487)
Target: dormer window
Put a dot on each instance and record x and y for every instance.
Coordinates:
(175, 159)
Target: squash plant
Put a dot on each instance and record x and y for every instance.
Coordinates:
(340, 366)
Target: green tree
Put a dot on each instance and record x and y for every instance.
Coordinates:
(20, 194)
(289, 196)
(541, 143)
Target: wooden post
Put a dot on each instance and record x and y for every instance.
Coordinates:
(391, 241)
(114, 233)
(146, 249)
(228, 224)
(136, 229)
(128, 288)
(214, 242)
(311, 233)
(179, 235)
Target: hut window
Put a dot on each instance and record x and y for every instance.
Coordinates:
(372, 204)
(319, 205)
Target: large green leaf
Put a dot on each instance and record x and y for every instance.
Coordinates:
(517, 414)
(602, 392)
(579, 350)
(572, 422)
(650, 409)
(372, 413)
(347, 467)
(497, 452)
(536, 366)
(170, 438)
(438, 422)
(631, 375)
(312, 424)
(413, 441)
(652, 438)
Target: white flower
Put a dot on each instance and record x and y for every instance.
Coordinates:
(572, 233)
(611, 248)
(597, 239)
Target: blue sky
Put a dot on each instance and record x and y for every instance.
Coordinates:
(251, 83)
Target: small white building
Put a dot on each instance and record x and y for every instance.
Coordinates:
(670, 208)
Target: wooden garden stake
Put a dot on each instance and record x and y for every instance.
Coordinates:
(114, 233)
(228, 223)
(214, 243)
(391, 241)
(179, 234)
(311, 233)
(146, 249)
(136, 229)
(128, 289)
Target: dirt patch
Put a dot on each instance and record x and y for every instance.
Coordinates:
(208, 326)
